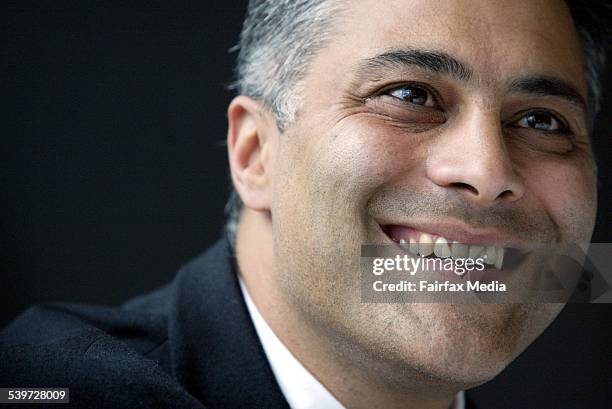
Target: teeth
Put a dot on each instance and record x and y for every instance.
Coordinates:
(499, 259)
(475, 251)
(459, 250)
(441, 248)
(425, 244)
(491, 255)
(414, 246)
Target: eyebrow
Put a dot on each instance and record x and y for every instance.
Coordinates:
(435, 61)
(441, 63)
(550, 86)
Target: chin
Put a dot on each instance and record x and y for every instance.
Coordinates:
(472, 365)
(471, 344)
(464, 345)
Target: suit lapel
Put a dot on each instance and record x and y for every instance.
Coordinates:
(215, 351)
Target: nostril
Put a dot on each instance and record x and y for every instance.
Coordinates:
(506, 194)
(465, 186)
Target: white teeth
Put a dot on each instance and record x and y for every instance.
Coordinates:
(414, 246)
(425, 244)
(490, 255)
(499, 259)
(441, 248)
(475, 251)
(459, 250)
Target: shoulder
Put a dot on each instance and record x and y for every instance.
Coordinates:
(105, 355)
(128, 356)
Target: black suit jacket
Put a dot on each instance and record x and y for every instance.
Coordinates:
(190, 344)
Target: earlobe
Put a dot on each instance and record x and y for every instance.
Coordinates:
(251, 147)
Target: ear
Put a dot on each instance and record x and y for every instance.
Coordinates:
(252, 140)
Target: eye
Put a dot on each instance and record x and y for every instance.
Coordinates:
(542, 121)
(413, 95)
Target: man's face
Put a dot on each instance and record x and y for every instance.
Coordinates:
(447, 117)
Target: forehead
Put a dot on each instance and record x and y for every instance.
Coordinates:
(497, 39)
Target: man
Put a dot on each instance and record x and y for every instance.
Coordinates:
(356, 122)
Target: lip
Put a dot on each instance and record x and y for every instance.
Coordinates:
(516, 250)
(454, 231)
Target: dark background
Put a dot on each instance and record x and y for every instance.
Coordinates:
(114, 173)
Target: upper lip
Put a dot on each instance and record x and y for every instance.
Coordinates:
(463, 233)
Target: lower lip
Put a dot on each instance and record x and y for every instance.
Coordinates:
(512, 259)
(489, 273)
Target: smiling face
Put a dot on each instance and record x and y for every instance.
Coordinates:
(462, 119)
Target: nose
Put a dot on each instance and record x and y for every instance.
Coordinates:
(473, 159)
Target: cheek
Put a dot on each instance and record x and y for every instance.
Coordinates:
(361, 156)
(324, 181)
(568, 192)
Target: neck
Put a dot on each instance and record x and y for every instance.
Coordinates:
(343, 371)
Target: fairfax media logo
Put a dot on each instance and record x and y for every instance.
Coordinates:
(440, 286)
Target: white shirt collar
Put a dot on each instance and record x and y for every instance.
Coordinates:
(300, 388)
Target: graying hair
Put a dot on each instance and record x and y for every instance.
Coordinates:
(277, 42)
(280, 37)
(595, 58)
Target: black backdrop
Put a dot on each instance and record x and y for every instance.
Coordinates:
(114, 172)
